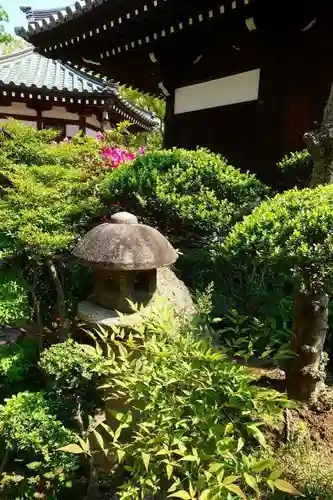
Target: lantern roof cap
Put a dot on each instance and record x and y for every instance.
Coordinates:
(124, 244)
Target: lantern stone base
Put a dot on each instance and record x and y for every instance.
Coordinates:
(168, 286)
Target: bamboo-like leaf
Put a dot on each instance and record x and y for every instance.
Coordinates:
(120, 454)
(188, 458)
(251, 481)
(205, 495)
(180, 494)
(215, 467)
(83, 444)
(275, 474)
(240, 444)
(72, 448)
(146, 459)
(99, 439)
(230, 480)
(262, 465)
(233, 488)
(282, 485)
(89, 349)
(169, 470)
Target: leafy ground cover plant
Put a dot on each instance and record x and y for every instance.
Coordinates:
(29, 434)
(181, 421)
(18, 367)
(252, 339)
(14, 304)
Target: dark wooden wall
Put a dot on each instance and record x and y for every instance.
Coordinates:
(296, 74)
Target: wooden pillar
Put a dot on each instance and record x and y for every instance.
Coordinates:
(82, 123)
(169, 122)
(39, 120)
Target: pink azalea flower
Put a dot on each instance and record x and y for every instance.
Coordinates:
(115, 156)
(141, 150)
(100, 136)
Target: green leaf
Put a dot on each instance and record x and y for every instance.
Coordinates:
(99, 439)
(189, 458)
(282, 485)
(169, 470)
(251, 481)
(262, 465)
(83, 444)
(89, 349)
(233, 488)
(258, 435)
(72, 448)
(240, 444)
(146, 459)
(230, 480)
(162, 452)
(180, 494)
(215, 467)
(275, 474)
(204, 495)
(120, 455)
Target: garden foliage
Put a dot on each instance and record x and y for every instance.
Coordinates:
(180, 419)
(290, 234)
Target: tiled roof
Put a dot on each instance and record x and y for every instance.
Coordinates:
(31, 69)
(40, 20)
(39, 14)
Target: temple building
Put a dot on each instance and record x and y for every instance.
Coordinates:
(46, 93)
(245, 78)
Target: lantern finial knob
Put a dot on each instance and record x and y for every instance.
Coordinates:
(123, 218)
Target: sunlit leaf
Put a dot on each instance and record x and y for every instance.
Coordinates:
(275, 474)
(180, 494)
(72, 448)
(233, 488)
(146, 459)
(215, 467)
(251, 481)
(169, 470)
(282, 485)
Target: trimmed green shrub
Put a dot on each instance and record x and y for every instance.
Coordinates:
(187, 194)
(71, 377)
(290, 234)
(296, 168)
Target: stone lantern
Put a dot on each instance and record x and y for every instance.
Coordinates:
(129, 261)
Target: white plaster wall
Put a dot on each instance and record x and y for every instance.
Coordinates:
(17, 108)
(61, 113)
(71, 130)
(91, 133)
(233, 89)
(92, 120)
(31, 124)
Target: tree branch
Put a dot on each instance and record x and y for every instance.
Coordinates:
(39, 322)
(61, 306)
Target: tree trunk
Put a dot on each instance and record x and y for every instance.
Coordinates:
(320, 146)
(304, 378)
(61, 305)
